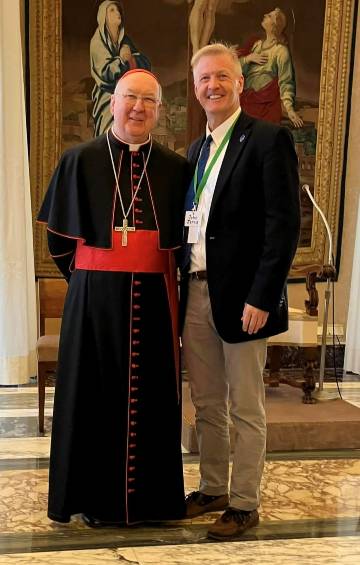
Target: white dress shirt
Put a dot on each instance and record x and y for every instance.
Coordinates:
(198, 250)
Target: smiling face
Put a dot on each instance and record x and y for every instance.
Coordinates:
(133, 121)
(218, 86)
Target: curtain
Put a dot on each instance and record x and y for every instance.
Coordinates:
(352, 349)
(17, 278)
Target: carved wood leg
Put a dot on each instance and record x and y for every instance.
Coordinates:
(274, 365)
(308, 386)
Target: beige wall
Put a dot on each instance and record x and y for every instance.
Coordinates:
(297, 292)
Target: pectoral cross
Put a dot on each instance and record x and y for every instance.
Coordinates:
(124, 229)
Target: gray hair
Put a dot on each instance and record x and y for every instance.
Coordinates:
(118, 84)
(218, 49)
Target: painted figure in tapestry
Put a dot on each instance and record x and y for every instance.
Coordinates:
(112, 53)
(202, 22)
(202, 19)
(269, 73)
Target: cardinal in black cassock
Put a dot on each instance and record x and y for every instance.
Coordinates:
(116, 436)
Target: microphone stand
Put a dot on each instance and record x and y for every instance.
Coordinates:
(328, 273)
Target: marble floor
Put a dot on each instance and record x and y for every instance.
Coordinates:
(310, 510)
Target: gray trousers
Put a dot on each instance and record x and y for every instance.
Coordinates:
(226, 380)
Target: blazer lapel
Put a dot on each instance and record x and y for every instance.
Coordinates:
(193, 157)
(238, 140)
(195, 150)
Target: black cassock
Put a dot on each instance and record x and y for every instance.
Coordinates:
(116, 435)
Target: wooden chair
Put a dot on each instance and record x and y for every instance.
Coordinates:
(302, 333)
(51, 296)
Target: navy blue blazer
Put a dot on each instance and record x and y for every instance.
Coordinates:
(253, 228)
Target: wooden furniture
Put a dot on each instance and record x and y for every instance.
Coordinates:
(51, 296)
(302, 333)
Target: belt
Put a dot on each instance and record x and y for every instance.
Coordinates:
(199, 276)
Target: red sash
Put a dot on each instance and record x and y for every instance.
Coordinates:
(141, 255)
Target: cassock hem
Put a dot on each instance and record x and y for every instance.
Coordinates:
(62, 518)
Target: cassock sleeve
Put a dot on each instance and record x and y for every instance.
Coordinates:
(61, 209)
(62, 251)
(61, 212)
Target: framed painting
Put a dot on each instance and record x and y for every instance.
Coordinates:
(63, 78)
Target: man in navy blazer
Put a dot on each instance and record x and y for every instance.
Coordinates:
(242, 229)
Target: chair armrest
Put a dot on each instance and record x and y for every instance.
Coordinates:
(311, 272)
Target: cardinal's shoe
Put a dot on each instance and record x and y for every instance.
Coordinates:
(95, 523)
(233, 523)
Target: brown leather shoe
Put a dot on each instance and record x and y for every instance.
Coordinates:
(198, 503)
(232, 524)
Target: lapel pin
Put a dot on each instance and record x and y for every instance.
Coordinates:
(242, 137)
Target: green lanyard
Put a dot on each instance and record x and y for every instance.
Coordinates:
(198, 188)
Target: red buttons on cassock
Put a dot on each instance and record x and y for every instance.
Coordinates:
(134, 377)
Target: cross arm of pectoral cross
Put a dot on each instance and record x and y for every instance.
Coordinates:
(124, 229)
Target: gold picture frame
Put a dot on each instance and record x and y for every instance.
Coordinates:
(45, 36)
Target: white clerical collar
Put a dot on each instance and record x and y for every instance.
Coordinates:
(132, 146)
(218, 133)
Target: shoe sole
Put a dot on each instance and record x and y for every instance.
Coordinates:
(218, 509)
(97, 525)
(238, 535)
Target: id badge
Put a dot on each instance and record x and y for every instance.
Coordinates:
(192, 219)
(193, 222)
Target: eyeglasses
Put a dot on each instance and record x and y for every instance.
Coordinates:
(131, 99)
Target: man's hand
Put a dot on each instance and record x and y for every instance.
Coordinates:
(253, 319)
